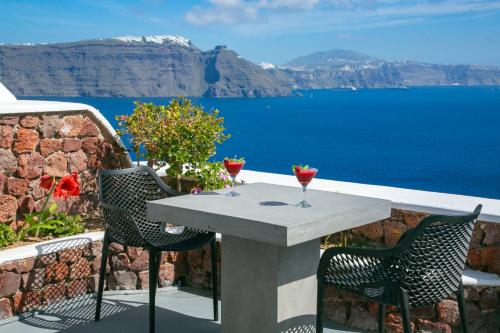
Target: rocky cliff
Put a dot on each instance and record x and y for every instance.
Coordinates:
(133, 66)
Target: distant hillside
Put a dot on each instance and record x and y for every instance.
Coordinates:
(160, 66)
(333, 59)
(342, 68)
(133, 66)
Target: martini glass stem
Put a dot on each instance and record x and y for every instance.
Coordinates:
(233, 182)
(304, 191)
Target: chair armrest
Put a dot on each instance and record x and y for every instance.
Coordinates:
(124, 229)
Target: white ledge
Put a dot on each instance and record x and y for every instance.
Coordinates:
(415, 200)
(48, 247)
(20, 107)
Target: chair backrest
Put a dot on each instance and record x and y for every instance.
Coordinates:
(129, 189)
(430, 261)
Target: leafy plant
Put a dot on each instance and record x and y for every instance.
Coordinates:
(179, 134)
(210, 176)
(48, 221)
(7, 235)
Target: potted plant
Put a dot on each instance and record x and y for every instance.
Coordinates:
(181, 136)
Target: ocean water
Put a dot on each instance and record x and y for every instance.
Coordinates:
(444, 139)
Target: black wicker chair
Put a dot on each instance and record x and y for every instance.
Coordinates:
(425, 267)
(123, 195)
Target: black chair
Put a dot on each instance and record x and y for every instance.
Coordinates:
(123, 195)
(424, 268)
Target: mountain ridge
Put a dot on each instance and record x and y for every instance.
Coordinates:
(167, 65)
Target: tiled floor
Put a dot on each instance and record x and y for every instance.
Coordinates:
(186, 311)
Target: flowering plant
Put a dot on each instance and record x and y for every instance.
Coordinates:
(210, 176)
(48, 220)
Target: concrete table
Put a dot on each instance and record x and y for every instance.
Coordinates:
(270, 248)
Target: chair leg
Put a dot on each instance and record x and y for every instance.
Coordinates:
(381, 317)
(405, 312)
(461, 308)
(320, 307)
(215, 292)
(102, 275)
(157, 268)
(152, 289)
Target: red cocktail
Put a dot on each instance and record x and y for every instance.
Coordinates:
(304, 175)
(233, 167)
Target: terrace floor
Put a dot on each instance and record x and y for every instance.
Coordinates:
(187, 311)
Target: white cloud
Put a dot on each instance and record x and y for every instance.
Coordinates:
(288, 16)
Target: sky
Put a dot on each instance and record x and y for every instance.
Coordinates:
(276, 31)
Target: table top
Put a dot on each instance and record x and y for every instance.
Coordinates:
(267, 213)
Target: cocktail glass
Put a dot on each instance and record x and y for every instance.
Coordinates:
(233, 167)
(304, 176)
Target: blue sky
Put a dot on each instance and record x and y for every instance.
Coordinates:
(436, 31)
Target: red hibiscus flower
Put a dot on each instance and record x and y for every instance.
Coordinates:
(68, 186)
(46, 182)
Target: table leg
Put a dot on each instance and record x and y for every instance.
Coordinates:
(268, 288)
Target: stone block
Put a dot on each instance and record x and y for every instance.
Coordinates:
(490, 258)
(30, 165)
(120, 280)
(28, 301)
(45, 260)
(56, 164)
(116, 248)
(80, 269)
(427, 326)
(361, 318)
(56, 272)
(6, 137)
(71, 126)
(89, 128)
(372, 231)
(35, 190)
(3, 180)
(491, 233)
(412, 219)
(120, 262)
(71, 144)
(5, 308)
(26, 204)
(141, 263)
(17, 187)
(393, 231)
(489, 299)
(448, 312)
(143, 279)
(8, 208)
(34, 279)
(90, 144)
(70, 255)
(30, 122)
(9, 283)
(54, 293)
(166, 274)
(24, 265)
(9, 120)
(77, 161)
(26, 140)
(76, 288)
(49, 146)
(8, 162)
(50, 126)
(336, 311)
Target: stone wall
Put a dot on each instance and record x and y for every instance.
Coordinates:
(56, 144)
(58, 275)
(482, 302)
(63, 274)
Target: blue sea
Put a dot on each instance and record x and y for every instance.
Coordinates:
(444, 139)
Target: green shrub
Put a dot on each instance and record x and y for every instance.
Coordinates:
(7, 235)
(179, 134)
